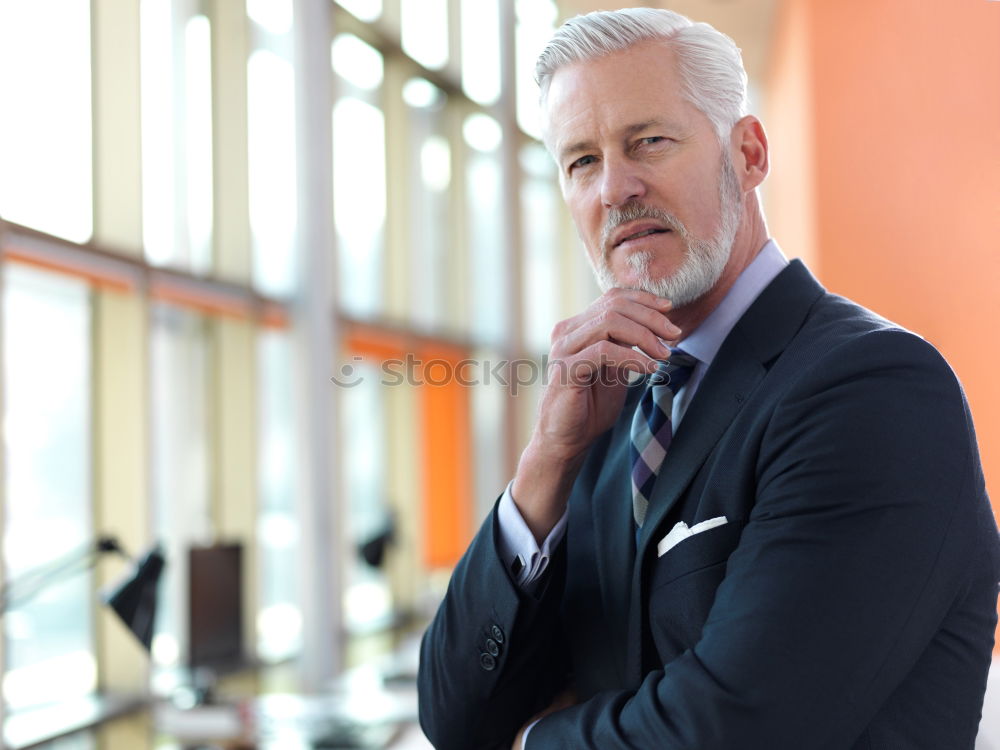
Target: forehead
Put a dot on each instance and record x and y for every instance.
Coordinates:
(600, 97)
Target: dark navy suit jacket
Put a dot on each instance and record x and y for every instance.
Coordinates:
(849, 601)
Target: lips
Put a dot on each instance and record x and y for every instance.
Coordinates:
(635, 232)
(644, 233)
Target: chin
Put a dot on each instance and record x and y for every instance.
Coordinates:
(693, 279)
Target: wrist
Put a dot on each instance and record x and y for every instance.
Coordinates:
(542, 486)
(552, 456)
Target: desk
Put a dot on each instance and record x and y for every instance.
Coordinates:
(358, 710)
(40, 727)
(251, 712)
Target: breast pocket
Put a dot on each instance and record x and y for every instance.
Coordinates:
(682, 587)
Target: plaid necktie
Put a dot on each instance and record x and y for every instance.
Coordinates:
(651, 428)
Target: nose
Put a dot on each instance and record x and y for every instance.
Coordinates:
(620, 182)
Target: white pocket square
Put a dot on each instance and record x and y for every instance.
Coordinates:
(682, 531)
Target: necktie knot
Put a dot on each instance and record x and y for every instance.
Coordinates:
(674, 371)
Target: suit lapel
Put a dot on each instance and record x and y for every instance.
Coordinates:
(720, 396)
(760, 335)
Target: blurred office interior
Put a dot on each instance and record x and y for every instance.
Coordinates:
(278, 276)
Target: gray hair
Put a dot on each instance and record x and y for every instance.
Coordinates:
(710, 65)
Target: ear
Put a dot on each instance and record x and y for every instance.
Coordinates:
(749, 152)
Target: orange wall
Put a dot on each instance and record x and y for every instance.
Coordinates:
(900, 172)
(447, 458)
(445, 425)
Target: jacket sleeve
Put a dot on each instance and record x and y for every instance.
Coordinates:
(490, 658)
(870, 524)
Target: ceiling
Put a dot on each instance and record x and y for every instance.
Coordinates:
(748, 22)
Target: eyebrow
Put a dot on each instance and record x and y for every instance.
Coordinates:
(628, 132)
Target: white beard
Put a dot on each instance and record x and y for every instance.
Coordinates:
(704, 260)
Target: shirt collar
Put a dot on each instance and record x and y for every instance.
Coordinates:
(704, 342)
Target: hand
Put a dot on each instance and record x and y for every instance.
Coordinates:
(587, 377)
(589, 362)
(565, 699)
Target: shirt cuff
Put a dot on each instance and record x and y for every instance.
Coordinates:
(527, 731)
(519, 551)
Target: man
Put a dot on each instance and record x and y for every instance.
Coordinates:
(796, 549)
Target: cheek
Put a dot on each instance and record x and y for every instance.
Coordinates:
(588, 217)
(705, 217)
(703, 203)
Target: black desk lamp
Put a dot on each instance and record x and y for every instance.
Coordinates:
(133, 598)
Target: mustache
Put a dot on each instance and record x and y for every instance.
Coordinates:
(632, 211)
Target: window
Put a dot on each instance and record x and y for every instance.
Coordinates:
(273, 15)
(481, 50)
(181, 468)
(49, 648)
(488, 402)
(487, 239)
(540, 209)
(424, 31)
(159, 386)
(430, 240)
(176, 159)
(535, 23)
(279, 615)
(272, 172)
(366, 10)
(367, 598)
(359, 185)
(45, 132)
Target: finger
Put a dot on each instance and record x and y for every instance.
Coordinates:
(644, 308)
(633, 299)
(638, 295)
(605, 361)
(617, 327)
(604, 318)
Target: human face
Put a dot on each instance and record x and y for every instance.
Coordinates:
(703, 261)
(652, 191)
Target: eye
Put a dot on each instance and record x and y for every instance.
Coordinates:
(657, 141)
(583, 161)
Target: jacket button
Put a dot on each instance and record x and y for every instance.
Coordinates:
(497, 633)
(492, 647)
(487, 662)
